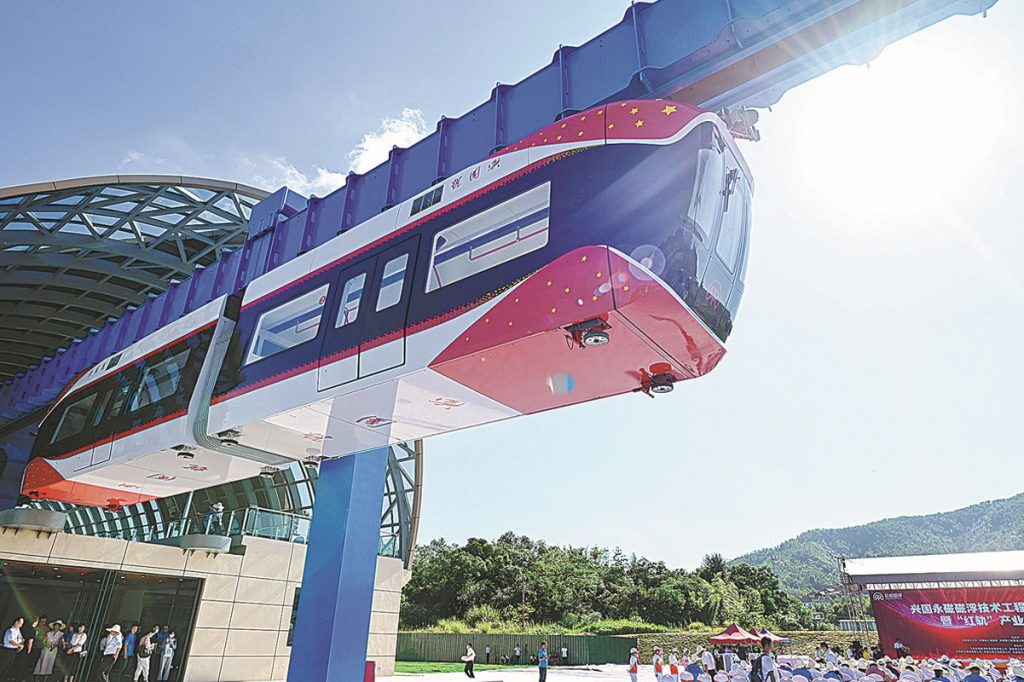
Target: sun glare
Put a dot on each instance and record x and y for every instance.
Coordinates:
(900, 139)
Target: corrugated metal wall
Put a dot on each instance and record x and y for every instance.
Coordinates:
(443, 647)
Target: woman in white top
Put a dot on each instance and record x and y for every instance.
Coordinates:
(72, 657)
(51, 647)
(673, 665)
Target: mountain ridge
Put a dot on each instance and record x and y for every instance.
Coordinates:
(808, 562)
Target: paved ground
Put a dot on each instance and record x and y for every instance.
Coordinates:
(594, 674)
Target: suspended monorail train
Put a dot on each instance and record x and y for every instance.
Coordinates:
(602, 255)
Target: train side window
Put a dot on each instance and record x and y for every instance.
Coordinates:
(159, 381)
(351, 297)
(391, 282)
(498, 235)
(74, 418)
(288, 325)
(112, 401)
(427, 200)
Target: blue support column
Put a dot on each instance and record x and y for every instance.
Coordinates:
(333, 622)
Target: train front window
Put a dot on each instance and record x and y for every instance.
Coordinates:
(706, 200)
(288, 325)
(159, 381)
(74, 418)
(737, 211)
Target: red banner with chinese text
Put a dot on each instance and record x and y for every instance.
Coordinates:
(964, 623)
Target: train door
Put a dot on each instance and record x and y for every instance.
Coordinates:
(339, 355)
(382, 344)
(107, 414)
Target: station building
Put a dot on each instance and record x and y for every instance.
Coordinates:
(82, 253)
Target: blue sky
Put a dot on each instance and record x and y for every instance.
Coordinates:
(873, 370)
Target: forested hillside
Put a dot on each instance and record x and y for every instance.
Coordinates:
(808, 562)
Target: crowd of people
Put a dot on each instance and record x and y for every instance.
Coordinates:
(859, 664)
(52, 651)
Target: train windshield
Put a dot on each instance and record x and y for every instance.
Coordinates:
(706, 202)
(73, 419)
(735, 215)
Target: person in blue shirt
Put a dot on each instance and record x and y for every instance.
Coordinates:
(974, 674)
(128, 651)
(939, 675)
(542, 662)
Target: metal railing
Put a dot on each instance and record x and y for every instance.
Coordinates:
(252, 521)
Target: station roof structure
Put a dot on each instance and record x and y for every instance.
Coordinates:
(77, 253)
(935, 568)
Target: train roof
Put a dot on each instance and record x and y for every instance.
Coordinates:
(148, 345)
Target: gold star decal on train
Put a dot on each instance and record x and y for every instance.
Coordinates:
(669, 109)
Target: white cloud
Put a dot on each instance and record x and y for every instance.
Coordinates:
(274, 172)
(403, 131)
(134, 157)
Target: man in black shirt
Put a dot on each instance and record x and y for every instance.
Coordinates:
(25, 662)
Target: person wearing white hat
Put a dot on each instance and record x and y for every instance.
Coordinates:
(111, 650)
(1015, 672)
(51, 644)
(673, 665)
(634, 664)
(974, 671)
(658, 660)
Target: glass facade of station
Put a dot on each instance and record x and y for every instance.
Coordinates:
(94, 598)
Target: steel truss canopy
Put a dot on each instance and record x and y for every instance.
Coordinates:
(718, 54)
(979, 568)
(77, 254)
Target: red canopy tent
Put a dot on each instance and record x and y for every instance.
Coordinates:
(734, 634)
